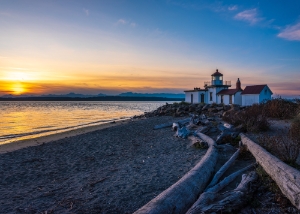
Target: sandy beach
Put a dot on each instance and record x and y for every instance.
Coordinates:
(116, 168)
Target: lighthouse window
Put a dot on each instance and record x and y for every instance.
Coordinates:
(221, 78)
(213, 78)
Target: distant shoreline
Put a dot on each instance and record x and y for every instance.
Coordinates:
(104, 98)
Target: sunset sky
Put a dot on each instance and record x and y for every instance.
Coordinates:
(111, 46)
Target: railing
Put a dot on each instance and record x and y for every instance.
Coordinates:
(207, 83)
(227, 83)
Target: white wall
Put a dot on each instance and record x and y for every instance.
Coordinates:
(226, 99)
(237, 98)
(216, 98)
(265, 94)
(196, 96)
(249, 99)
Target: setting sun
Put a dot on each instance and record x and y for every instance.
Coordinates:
(18, 88)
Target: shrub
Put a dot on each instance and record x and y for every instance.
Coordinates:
(252, 118)
(294, 131)
(282, 146)
(280, 108)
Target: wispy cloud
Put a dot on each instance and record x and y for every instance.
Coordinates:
(250, 16)
(122, 21)
(234, 7)
(291, 32)
(86, 11)
(125, 22)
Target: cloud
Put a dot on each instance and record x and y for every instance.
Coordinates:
(122, 21)
(291, 32)
(234, 7)
(125, 22)
(86, 11)
(250, 16)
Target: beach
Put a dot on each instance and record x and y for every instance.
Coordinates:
(113, 168)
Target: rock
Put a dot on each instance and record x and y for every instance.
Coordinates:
(220, 108)
(192, 109)
(203, 129)
(206, 107)
(182, 132)
(214, 110)
(226, 108)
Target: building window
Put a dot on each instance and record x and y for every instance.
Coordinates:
(222, 96)
(230, 99)
(210, 96)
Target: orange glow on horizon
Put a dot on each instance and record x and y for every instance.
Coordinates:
(18, 88)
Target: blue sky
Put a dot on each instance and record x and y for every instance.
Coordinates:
(111, 46)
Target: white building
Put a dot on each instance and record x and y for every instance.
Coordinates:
(216, 91)
(255, 94)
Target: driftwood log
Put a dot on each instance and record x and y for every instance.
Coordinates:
(286, 177)
(180, 196)
(223, 169)
(166, 125)
(210, 202)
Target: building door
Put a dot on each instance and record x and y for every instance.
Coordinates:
(222, 98)
(202, 98)
(192, 98)
(230, 99)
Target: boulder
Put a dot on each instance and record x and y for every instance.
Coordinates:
(206, 107)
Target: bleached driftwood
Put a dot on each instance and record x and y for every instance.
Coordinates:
(228, 179)
(166, 125)
(210, 202)
(180, 196)
(223, 169)
(175, 126)
(286, 177)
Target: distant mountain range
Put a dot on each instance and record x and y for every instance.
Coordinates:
(74, 95)
(167, 95)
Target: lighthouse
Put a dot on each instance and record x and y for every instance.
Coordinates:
(216, 78)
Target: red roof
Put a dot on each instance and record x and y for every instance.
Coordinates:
(228, 92)
(217, 73)
(254, 89)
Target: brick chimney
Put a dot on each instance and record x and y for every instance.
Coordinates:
(238, 84)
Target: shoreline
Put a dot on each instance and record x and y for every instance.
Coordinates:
(36, 141)
(117, 168)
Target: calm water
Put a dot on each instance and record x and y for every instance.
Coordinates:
(23, 120)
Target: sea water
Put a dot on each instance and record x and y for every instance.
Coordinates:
(29, 119)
